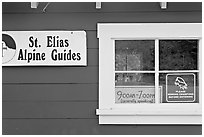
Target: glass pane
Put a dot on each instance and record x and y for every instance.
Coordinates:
(134, 88)
(178, 54)
(134, 79)
(179, 87)
(134, 55)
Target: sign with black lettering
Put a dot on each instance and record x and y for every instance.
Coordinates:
(135, 94)
(25, 48)
(180, 87)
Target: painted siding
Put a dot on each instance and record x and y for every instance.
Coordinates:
(63, 100)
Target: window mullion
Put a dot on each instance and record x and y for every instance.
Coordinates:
(199, 68)
(157, 97)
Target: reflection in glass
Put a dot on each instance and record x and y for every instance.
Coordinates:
(178, 54)
(124, 79)
(134, 55)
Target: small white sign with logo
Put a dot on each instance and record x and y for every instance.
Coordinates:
(25, 48)
(180, 87)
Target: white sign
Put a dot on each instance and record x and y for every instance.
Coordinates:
(136, 94)
(24, 48)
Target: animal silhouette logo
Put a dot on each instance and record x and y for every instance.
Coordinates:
(8, 48)
(180, 82)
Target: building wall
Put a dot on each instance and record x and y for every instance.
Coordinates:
(63, 100)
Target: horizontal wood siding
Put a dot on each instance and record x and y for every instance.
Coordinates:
(79, 109)
(50, 74)
(49, 92)
(88, 21)
(61, 99)
(90, 127)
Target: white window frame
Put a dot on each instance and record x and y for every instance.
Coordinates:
(157, 113)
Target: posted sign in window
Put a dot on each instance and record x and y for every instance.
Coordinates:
(138, 94)
(180, 87)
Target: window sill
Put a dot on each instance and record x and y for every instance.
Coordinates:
(127, 112)
(124, 116)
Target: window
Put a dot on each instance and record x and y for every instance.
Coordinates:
(149, 73)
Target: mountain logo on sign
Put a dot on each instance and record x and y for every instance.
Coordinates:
(180, 82)
(8, 48)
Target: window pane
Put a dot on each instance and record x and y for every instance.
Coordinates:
(134, 88)
(178, 54)
(134, 55)
(179, 87)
